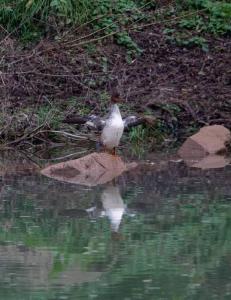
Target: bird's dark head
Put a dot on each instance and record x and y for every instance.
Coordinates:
(115, 98)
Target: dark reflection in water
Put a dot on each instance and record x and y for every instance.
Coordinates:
(154, 234)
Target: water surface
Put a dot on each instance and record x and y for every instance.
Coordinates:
(161, 233)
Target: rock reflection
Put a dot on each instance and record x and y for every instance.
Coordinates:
(23, 266)
(212, 162)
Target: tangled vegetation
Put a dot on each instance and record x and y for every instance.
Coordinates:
(206, 16)
(59, 57)
(30, 19)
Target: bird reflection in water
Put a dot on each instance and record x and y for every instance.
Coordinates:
(113, 205)
(113, 208)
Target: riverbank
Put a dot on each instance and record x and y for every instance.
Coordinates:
(183, 84)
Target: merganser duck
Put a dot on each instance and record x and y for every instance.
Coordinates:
(114, 126)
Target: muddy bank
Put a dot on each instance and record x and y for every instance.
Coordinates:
(184, 88)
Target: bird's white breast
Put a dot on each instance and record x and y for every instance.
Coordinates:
(113, 131)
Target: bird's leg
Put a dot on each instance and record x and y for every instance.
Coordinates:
(110, 151)
(114, 151)
(105, 149)
(98, 146)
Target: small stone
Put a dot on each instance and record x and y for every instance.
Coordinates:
(209, 140)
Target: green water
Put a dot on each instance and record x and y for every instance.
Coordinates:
(173, 241)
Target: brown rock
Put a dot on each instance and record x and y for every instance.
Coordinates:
(90, 170)
(209, 140)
